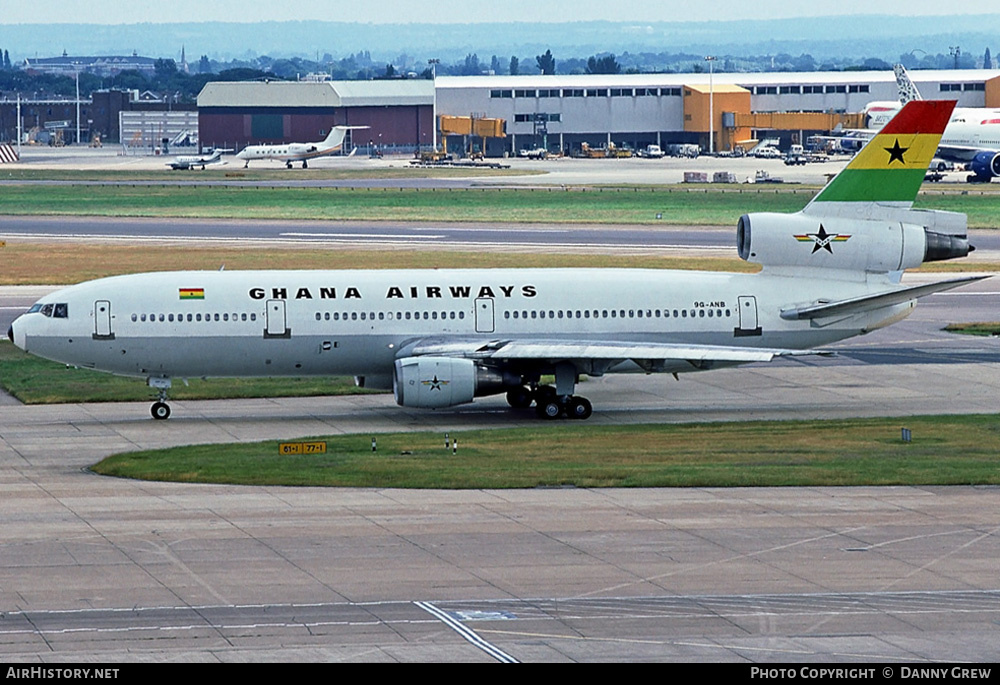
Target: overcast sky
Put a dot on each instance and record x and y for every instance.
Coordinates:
(457, 11)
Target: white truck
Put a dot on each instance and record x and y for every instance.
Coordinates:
(651, 152)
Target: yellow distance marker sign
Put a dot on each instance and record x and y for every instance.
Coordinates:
(302, 448)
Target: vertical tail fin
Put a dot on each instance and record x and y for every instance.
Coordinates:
(889, 169)
(336, 137)
(907, 90)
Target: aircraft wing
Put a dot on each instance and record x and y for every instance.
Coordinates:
(963, 153)
(866, 303)
(595, 357)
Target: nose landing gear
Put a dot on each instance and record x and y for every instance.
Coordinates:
(160, 409)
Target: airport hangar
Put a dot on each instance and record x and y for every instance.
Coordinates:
(560, 112)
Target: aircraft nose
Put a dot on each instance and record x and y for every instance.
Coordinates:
(10, 332)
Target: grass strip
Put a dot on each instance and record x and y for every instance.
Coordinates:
(63, 263)
(945, 450)
(601, 205)
(506, 205)
(983, 328)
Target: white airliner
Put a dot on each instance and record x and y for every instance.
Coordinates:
(972, 135)
(297, 152)
(440, 338)
(195, 161)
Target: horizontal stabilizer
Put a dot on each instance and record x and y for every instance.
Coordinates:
(867, 303)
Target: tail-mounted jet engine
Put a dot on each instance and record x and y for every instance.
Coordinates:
(875, 246)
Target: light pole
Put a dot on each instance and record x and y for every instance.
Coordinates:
(434, 105)
(77, 103)
(711, 105)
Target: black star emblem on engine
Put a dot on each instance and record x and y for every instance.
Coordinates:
(435, 383)
(896, 152)
(822, 239)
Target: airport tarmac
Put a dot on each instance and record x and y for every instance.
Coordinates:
(100, 570)
(554, 171)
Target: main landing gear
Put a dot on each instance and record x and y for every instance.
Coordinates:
(553, 402)
(549, 404)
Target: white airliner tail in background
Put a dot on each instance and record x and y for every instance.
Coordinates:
(440, 338)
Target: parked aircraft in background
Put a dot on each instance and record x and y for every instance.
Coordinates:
(441, 338)
(297, 152)
(972, 135)
(194, 161)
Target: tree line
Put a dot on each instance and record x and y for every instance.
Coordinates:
(179, 85)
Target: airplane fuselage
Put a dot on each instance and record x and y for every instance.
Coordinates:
(286, 323)
(293, 152)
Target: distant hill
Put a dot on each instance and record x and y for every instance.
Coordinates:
(876, 36)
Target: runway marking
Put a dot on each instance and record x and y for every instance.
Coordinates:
(387, 236)
(467, 633)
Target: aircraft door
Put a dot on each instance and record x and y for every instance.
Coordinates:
(102, 320)
(276, 324)
(748, 317)
(484, 315)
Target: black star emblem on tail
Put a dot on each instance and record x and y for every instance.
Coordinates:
(896, 152)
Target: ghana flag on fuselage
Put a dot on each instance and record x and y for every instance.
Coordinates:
(891, 167)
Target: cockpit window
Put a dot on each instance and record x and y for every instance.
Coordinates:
(59, 310)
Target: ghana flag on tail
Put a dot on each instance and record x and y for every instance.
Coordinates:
(891, 167)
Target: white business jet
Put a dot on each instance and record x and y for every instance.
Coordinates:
(440, 338)
(184, 162)
(297, 152)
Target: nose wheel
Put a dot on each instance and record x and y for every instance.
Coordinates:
(160, 411)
